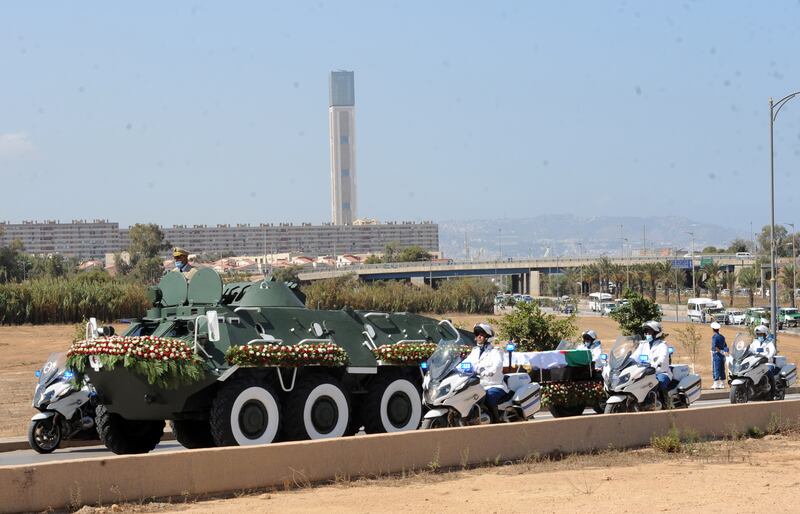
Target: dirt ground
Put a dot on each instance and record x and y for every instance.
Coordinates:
(722, 476)
(23, 349)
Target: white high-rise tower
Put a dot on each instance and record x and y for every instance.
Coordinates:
(341, 115)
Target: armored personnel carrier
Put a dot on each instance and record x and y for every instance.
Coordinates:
(248, 363)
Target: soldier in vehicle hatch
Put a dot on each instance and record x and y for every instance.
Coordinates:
(182, 263)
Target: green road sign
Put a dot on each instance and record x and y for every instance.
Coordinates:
(706, 261)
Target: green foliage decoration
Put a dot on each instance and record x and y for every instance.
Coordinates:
(164, 362)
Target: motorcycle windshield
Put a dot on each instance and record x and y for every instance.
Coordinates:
(444, 360)
(740, 347)
(569, 345)
(56, 365)
(623, 347)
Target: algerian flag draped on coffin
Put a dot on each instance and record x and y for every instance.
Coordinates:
(552, 359)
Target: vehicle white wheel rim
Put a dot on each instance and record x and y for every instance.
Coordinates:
(325, 413)
(254, 417)
(401, 407)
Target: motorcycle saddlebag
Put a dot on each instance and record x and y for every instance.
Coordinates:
(529, 399)
(690, 386)
(779, 361)
(789, 374)
(679, 371)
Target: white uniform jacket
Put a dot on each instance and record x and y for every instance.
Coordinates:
(488, 366)
(768, 348)
(657, 354)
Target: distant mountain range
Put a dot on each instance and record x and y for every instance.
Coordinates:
(569, 236)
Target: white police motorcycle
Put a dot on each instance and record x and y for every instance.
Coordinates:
(632, 385)
(65, 411)
(452, 392)
(747, 373)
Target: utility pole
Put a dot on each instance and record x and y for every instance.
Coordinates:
(644, 240)
(466, 245)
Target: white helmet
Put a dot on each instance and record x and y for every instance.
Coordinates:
(590, 333)
(655, 326)
(483, 328)
(761, 330)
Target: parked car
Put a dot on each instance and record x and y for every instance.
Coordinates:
(743, 255)
(788, 317)
(697, 309)
(715, 314)
(608, 307)
(734, 317)
(756, 316)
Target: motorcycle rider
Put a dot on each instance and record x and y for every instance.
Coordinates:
(657, 352)
(488, 363)
(766, 347)
(591, 343)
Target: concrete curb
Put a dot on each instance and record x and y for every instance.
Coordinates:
(11, 444)
(102, 481)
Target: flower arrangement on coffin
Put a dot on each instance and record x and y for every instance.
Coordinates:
(409, 353)
(164, 362)
(314, 354)
(587, 392)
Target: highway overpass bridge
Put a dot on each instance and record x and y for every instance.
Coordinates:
(525, 274)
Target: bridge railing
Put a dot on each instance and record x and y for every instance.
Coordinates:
(532, 263)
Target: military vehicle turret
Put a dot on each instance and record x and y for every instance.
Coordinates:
(248, 363)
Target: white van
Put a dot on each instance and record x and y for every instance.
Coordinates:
(697, 307)
(596, 301)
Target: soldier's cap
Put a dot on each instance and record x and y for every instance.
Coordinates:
(179, 252)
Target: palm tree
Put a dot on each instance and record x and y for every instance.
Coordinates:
(618, 276)
(572, 278)
(591, 274)
(728, 282)
(748, 279)
(787, 282)
(605, 265)
(652, 271)
(712, 271)
(668, 277)
(638, 276)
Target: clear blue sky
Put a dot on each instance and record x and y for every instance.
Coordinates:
(196, 112)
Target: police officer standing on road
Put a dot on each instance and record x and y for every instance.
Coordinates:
(719, 348)
(182, 265)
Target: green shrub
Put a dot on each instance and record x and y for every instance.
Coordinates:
(469, 295)
(667, 443)
(535, 330)
(637, 311)
(61, 300)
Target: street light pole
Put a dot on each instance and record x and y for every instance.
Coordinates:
(694, 282)
(794, 266)
(773, 301)
(627, 263)
(580, 258)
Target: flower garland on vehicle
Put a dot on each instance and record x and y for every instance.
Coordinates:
(164, 362)
(409, 353)
(314, 354)
(567, 394)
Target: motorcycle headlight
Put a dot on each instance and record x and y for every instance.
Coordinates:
(48, 396)
(443, 390)
(743, 366)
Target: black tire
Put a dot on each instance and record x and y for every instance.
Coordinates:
(123, 436)
(566, 411)
(615, 408)
(740, 393)
(317, 408)
(44, 436)
(437, 422)
(599, 407)
(193, 433)
(780, 391)
(393, 404)
(246, 411)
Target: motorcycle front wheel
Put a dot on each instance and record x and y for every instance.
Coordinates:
(437, 422)
(740, 393)
(44, 435)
